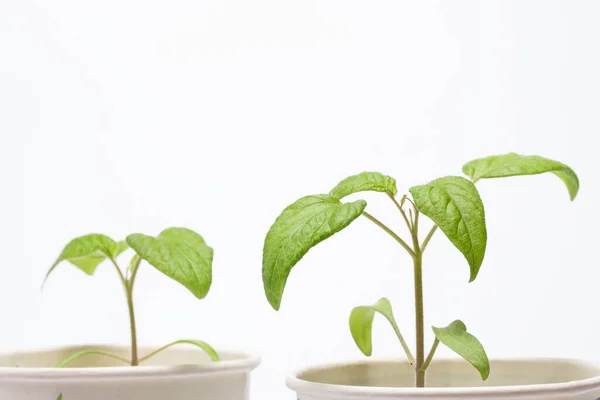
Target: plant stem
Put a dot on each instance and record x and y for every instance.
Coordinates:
(409, 355)
(428, 238)
(419, 318)
(129, 290)
(123, 280)
(431, 354)
(390, 232)
(419, 312)
(399, 206)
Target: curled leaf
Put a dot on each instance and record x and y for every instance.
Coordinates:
(457, 339)
(361, 326)
(454, 205)
(86, 253)
(179, 253)
(366, 181)
(301, 226)
(513, 164)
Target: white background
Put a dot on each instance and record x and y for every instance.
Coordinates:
(122, 116)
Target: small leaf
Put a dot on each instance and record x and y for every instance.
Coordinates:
(59, 397)
(121, 247)
(301, 226)
(361, 323)
(454, 205)
(208, 349)
(84, 353)
(457, 339)
(365, 181)
(86, 252)
(179, 253)
(89, 263)
(513, 164)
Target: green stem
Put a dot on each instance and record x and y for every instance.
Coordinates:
(431, 354)
(399, 206)
(428, 238)
(419, 320)
(390, 232)
(121, 276)
(419, 312)
(129, 290)
(409, 355)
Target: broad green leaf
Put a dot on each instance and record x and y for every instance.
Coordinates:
(365, 181)
(454, 205)
(179, 253)
(86, 252)
(59, 397)
(513, 164)
(301, 226)
(361, 323)
(121, 247)
(457, 339)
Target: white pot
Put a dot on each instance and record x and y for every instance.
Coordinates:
(540, 379)
(175, 374)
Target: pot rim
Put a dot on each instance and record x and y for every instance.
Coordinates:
(245, 363)
(315, 388)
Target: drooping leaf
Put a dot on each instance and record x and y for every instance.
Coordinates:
(179, 253)
(301, 226)
(361, 323)
(86, 252)
(513, 164)
(121, 247)
(457, 339)
(373, 181)
(454, 205)
(84, 353)
(89, 263)
(210, 351)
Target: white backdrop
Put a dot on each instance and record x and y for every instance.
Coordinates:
(123, 116)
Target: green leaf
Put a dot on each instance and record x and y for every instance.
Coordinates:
(513, 164)
(179, 253)
(365, 181)
(121, 247)
(84, 353)
(361, 323)
(59, 397)
(454, 205)
(212, 353)
(89, 263)
(457, 339)
(301, 226)
(86, 252)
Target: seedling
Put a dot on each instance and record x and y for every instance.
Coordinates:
(179, 253)
(454, 206)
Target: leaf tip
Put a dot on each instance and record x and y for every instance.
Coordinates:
(485, 374)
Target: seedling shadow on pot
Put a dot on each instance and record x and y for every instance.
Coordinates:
(453, 206)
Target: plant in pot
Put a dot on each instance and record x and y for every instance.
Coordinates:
(133, 373)
(454, 207)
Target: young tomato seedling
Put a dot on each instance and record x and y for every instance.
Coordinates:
(454, 206)
(179, 253)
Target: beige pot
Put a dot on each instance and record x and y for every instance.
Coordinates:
(175, 374)
(539, 379)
